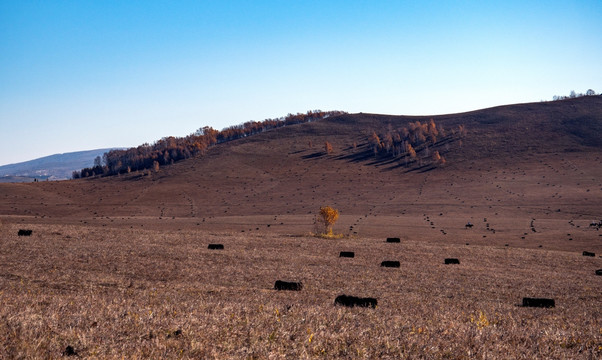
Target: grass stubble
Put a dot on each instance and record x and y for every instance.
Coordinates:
(113, 293)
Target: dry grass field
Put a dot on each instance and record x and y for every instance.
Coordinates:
(147, 293)
(119, 267)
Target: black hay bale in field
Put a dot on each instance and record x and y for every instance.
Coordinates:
(393, 240)
(174, 334)
(351, 301)
(587, 253)
(23, 232)
(538, 302)
(347, 254)
(599, 272)
(69, 351)
(215, 247)
(451, 261)
(393, 264)
(288, 285)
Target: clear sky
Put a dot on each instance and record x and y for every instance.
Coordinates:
(79, 75)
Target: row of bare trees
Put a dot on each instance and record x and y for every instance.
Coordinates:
(172, 149)
(574, 94)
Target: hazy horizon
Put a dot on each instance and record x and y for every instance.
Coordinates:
(86, 75)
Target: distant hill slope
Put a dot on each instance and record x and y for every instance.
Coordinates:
(529, 160)
(53, 167)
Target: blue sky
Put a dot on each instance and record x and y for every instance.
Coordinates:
(79, 75)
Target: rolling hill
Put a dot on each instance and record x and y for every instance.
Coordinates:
(525, 160)
(121, 264)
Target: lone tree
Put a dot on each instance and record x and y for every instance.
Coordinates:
(327, 217)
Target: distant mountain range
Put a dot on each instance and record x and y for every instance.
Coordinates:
(53, 167)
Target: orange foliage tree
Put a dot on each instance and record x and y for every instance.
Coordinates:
(438, 159)
(327, 217)
(328, 147)
(410, 150)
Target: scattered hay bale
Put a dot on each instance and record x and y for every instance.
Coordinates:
(587, 253)
(538, 302)
(174, 334)
(215, 247)
(288, 285)
(393, 240)
(451, 261)
(69, 351)
(351, 301)
(347, 254)
(599, 272)
(23, 232)
(393, 264)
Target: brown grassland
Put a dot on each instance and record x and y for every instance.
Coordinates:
(119, 267)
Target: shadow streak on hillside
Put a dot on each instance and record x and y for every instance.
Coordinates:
(315, 155)
(388, 163)
(297, 152)
(134, 177)
(369, 158)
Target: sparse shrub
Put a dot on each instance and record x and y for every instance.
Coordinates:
(328, 147)
(480, 321)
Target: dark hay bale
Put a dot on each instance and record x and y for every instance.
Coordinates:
(587, 253)
(23, 232)
(393, 240)
(215, 247)
(174, 334)
(351, 301)
(538, 302)
(288, 285)
(347, 254)
(69, 351)
(451, 261)
(599, 272)
(393, 264)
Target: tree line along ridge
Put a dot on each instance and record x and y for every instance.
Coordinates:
(172, 149)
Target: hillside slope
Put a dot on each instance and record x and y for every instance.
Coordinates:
(516, 162)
